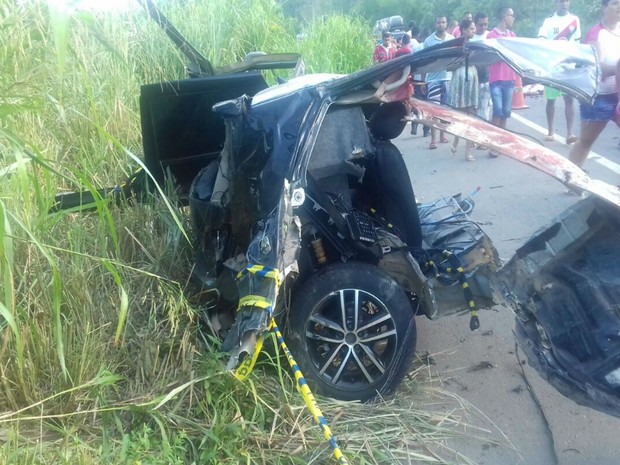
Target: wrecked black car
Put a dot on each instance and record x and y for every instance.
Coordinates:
(303, 212)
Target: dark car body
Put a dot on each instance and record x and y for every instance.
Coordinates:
(562, 284)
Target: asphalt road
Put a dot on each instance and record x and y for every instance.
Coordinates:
(510, 415)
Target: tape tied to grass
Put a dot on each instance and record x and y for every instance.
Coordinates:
(246, 367)
(309, 399)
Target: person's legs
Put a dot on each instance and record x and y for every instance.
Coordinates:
(434, 94)
(590, 130)
(501, 96)
(569, 112)
(594, 118)
(469, 145)
(496, 98)
(418, 92)
(508, 88)
(550, 110)
(551, 95)
(444, 100)
(484, 99)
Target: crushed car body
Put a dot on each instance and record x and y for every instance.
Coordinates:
(303, 211)
(309, 152)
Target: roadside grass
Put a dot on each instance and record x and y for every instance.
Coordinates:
(104, 358)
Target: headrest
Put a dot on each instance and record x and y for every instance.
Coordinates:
(387, 122)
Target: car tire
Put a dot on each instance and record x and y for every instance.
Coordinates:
(358, 353)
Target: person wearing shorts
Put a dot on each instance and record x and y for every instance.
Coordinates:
(562, 25)
(501, 76)
(605, 38)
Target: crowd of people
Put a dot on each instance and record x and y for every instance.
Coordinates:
(488, 91)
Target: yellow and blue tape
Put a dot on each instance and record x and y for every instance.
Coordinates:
(245, 368)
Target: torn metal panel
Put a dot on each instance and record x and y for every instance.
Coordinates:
(512, 145)
(573, 69)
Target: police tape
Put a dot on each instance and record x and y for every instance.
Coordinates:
(457, 269)
(246, 367)
(262, 272)
(309, 399)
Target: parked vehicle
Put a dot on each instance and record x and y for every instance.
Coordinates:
(303, 210)
(392, 24)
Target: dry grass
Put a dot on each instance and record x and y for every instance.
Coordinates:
(103, 359)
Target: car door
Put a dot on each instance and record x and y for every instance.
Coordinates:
(181, 133)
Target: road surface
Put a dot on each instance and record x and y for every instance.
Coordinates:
(514, 416)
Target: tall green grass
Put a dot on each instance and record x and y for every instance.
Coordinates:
(102, 356)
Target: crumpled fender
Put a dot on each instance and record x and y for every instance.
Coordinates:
(511, 145)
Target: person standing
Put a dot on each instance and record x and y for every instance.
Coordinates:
(483, 109)
(410, 27)
(437, 82)
(452, 26)
(405, 47)
(562, 25)
(605, 37)
(385, 50)
(457, 31)
(415, 39)
(419, 86)
(463, 93)
(501, 76)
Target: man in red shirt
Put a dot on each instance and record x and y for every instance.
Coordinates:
(405, 47)
(501, 76)
(385, 50)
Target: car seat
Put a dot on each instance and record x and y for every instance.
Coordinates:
(387, 175)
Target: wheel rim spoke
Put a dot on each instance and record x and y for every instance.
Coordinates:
(343, 309)
(375, 322)
(373, 357)
(356, 309)
(330, 359)
(322, 320)
(377, 337)
(320, 337)
(363, 368)
(344, 363)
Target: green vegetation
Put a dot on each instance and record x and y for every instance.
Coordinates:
(102, 356)
(529, 13)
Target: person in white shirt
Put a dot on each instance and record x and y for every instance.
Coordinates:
(562, 25)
